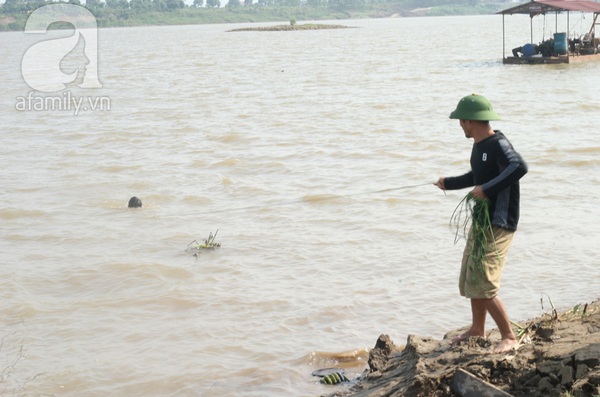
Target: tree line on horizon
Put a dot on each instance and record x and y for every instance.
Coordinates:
(27, 6)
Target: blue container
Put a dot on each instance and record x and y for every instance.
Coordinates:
(560, 43)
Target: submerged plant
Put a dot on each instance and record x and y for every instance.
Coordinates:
(208, 244)
(475, 213)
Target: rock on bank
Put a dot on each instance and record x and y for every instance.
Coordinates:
(559, 356)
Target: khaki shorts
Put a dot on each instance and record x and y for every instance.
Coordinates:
(478, 282)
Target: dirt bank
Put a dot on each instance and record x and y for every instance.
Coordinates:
(559, 356)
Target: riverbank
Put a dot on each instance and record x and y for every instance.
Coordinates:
(559, 356)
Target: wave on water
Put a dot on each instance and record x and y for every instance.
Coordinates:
(323, 199)
(16, 213)
(355, 360)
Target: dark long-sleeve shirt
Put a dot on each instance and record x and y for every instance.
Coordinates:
(497, 168)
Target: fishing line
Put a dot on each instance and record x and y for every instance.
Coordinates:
(308, 197)
(389, 190)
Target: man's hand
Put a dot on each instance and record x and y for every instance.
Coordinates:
(440, 183)
(478, 193)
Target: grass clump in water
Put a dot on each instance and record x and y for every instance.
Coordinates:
(208, 244)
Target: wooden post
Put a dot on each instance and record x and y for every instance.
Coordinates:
(466, 384)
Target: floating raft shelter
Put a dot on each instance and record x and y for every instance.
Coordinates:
(559, 48)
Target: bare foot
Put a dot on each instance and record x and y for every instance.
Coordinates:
(506, 345)
(465, 335)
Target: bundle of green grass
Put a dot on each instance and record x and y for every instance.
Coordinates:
(474, 214)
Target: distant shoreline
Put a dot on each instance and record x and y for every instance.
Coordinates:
(117, 17)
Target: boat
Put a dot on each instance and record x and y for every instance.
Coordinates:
(559, 48)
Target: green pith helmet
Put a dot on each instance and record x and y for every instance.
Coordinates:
(474, 107)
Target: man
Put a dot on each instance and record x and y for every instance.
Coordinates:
(134, 202)
(495, 172)
(527, 50)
